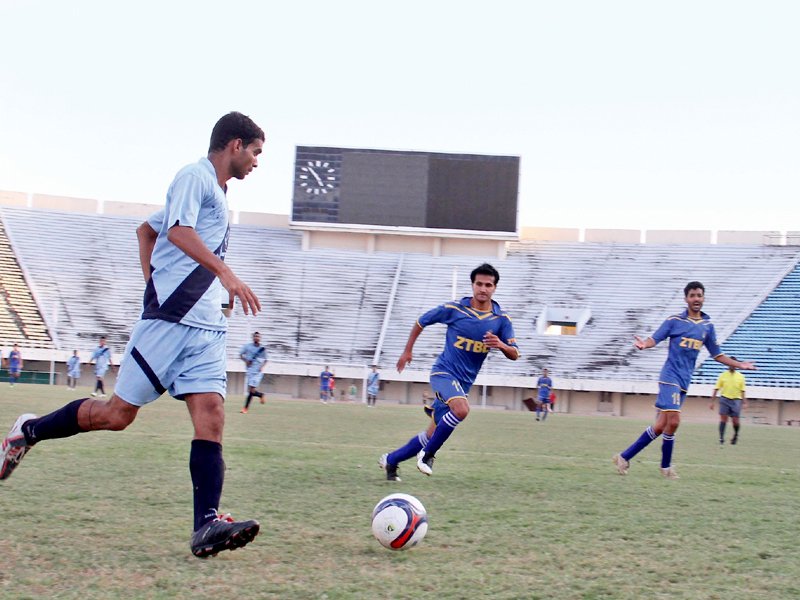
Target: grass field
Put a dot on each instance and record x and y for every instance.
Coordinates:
(517, 509)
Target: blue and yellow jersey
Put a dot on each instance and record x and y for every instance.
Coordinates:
(686, 337)
(256, 355)
(545, 385)
(325, 380)
(464, 350)
(14, 359)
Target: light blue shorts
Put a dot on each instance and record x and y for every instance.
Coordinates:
(101, 371)
(74, 374)
(670, 397)
(445, 388)
(254, 379)
(163, 356)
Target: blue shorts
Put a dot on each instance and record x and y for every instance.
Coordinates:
(74, 374)
(163, 356)
(254, 379)
(730, 407)
(544, 400)
(670, 397)
(445, 388)
(101, 371)
(14, 371)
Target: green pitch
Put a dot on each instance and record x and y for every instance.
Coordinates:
(517, 509)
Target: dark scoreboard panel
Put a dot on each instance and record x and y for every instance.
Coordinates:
(412, 189)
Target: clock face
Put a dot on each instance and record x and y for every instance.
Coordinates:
(317, 177)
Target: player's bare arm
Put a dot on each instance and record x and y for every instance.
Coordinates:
(736, 364)
(147, 241)
(187, 240)
(407, 355)
(492, 341)
(641, 344)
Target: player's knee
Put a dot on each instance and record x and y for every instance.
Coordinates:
(460, 410)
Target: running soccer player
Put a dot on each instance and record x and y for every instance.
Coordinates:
(688, 332)
(179, 343)
(14, 363)
(102, 361)
(325, 379)
(254, 356)
(475, 325)
(73, 370)
(544, 385)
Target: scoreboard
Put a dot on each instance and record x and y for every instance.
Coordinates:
(406, 189)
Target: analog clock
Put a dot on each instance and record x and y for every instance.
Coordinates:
(317, 177)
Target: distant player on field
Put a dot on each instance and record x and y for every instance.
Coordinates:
(254, 356)
(475, 325)
(325, 378)
(179, 343)
(373, 386)
(102, 362)
(732, 399)
(544, 385)
(14, 364)
(73, 370)
(688, 332)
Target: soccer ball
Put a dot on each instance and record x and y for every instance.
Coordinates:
(399, 521)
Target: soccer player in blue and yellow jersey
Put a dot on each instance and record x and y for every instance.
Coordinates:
(179, 343)
(254, 356)
(688, 332)
(102, 362)
(325, 378)
(545, 386)
(73, 370)
(475, 326)
(14, 364)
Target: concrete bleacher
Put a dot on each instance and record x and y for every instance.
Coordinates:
(327, 306)
(770, 337)
(20, 320)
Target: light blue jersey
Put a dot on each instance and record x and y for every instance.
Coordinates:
(464, 350)
(255, 356)
(102, 358)
(373, 383)
(74, 366)
(686, 338)
(180, 290)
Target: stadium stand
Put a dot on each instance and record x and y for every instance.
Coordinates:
(770, 337)
(20, 320)
(329, 305)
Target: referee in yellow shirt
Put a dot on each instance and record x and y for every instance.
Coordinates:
(731, 386)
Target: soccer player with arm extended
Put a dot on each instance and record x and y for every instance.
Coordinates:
(688, 332)
(179, 343)
(475, 325)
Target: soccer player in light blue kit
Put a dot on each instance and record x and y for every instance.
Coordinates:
(254, 356)
(688, 332)
(545, 386)
(14, 365)
(179, 343)
(73, 370)
(102, 362)
(373, 385)
(475, 325)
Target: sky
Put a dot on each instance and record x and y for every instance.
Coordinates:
(626, 114)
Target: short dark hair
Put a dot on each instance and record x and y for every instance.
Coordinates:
(693, 285)
(484, 269)
(234, 126)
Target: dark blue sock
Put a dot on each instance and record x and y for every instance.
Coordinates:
(247, 400)
(208, 472)
(648, 436)
(444, 428)
(721, 429)
(411, 449)
(544, 415)
(666, 450)
(60, 423)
